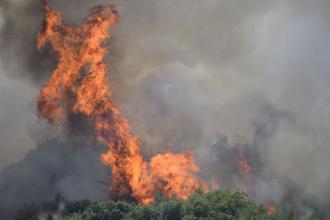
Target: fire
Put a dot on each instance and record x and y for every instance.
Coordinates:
(214, 184)
(244, 166)
(79, 85)
(271, 209)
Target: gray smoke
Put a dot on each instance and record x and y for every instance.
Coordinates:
(184, 72)
(56, 167)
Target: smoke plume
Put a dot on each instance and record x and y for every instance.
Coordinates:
(187, 74)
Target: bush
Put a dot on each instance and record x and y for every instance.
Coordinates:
(213, 205)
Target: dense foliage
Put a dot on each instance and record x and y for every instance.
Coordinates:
(215, 205)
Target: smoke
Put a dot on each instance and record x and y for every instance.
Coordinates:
(228, 67)
(185, 72)
(56, 167)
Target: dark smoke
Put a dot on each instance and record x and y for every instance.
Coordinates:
(57, 167)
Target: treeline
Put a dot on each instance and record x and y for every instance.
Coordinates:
(222, 205)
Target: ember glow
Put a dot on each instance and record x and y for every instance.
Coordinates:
(79, 86)
(271, 209)
(244, 166)
(214, 184)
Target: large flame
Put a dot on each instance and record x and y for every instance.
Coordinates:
(79, 85)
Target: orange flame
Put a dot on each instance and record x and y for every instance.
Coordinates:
(271, 209)
(79, 85)
(244, 166)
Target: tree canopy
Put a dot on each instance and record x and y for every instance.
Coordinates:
(213, 205)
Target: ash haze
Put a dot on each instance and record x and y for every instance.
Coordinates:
(185, 72)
